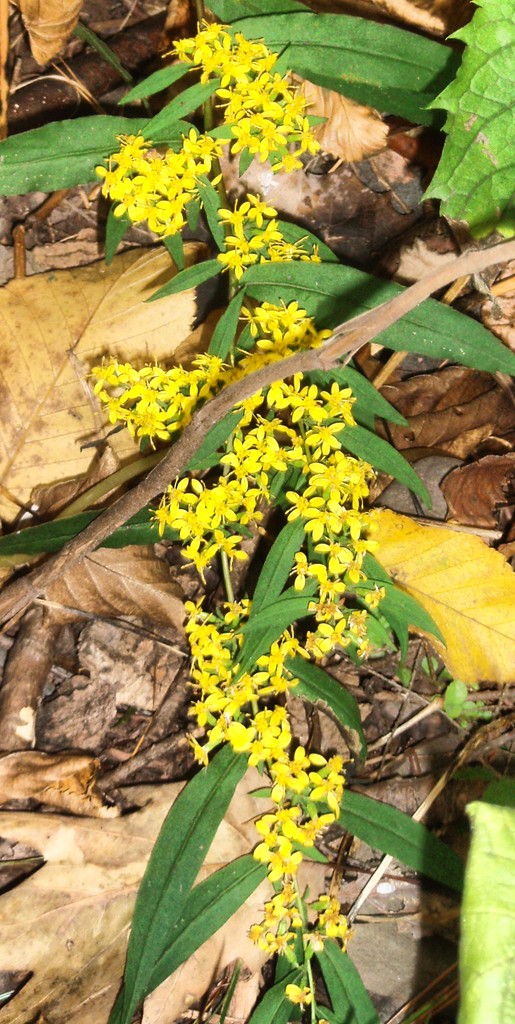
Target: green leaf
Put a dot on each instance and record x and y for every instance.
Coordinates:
(225, 330)
(321, 689)
(333, 293)
(116, 228)
(234, 10)
(174, 245)
(174, 864)
(83, 32)
(487, 977)
(474, 178)
(364, 444)
(386, 67)
(185, 103)
(262, 630)
(212, 204)
(500, 792)
(189, 278)
(277, 566)
(393, 832)
(400, 610)
(274, 1007)
(349, 997)
(217, 436)
(246, 158)
(193, 213)
(156, 82)
(210, 904)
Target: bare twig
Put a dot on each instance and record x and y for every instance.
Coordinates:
(346, 339)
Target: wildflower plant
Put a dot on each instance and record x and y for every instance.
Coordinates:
(301, 443)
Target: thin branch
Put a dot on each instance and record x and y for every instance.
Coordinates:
(345, 340)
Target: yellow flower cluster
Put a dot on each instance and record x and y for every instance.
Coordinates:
(263, 112)
(253, 241)
(306, 788)
(263, 115)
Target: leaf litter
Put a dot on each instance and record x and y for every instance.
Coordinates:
(95, 865)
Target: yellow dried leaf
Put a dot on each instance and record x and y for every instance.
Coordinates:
(467, 588)
(50, 24)
(53, 328)
(351, 131)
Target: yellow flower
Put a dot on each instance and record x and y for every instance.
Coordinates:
(299, 996)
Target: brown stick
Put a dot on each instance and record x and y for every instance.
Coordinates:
(346, 339)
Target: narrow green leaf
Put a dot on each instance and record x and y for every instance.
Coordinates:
(399, 608)
(321, 689)
(383, 456)
(156, 82)
(277, 566)
(207, 453)
(210, 904)
(475, 175)
(88, 36)
(193, 214)
(349, 997)
(294, 233)
(262, 630)
(393, 832)
(225, 330)
(274, 1007)
(174, 864)
(116, 229)
(487, 977)
(381, 65)
(175, 246)
(333, 293)
(246, 158)
(185, 103)
(234, 10)
(189, 278)
(212, 203)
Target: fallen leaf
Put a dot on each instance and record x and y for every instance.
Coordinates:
(467, 588)
(436, 16)
(122, 581)
(498, 311)
(68, 923)
(50, 24)
(53, 328)
(351, 132)
(453, 409)
(65, 781)
(52, 498)
(473, 493)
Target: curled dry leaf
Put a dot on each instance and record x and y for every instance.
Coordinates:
(473, 493)
(467, 588)
(53, 328)
(68, 923)
(351, 132)
(454, 409)
(50, 24)
(64, 781)
(122, 581)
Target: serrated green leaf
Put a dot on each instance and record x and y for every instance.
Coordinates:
(225, 330)
(392, 831)
(487, 975)
(277, 566)
(116, 229)
(320, 688)
(364, 444)
(475, 176)
(381, 65)
(333, 293)
(185, 103)
(156, 82)
(189, 278)
(349, 997)
(176, 859)
(212, 204)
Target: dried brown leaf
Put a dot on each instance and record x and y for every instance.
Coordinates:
(123, 581)
(68, 923)
(474, 492)
(454, 409)
(50, 24)
(64, 781)
(351, 132)
(53, 328)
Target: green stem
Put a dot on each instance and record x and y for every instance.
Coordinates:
(226, 573)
